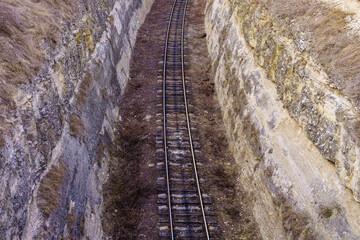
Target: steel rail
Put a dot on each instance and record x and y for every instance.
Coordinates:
(188, 123)
(164, 123)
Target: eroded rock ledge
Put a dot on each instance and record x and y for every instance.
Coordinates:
(59, 117)
(290, 99)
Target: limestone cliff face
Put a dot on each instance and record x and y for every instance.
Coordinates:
(291, 108)
(53, 143)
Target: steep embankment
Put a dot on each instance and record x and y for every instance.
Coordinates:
(287, 77)
(63, 69)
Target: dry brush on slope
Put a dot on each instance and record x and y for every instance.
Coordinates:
(50, 107)
(28, 28)
(278, 70)
(49, 189)
(326, 34)
(309, 52)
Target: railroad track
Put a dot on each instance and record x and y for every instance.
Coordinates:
(185, 212)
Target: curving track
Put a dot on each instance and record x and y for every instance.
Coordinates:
(184, 211)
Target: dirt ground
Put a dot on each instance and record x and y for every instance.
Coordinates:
(130, 194)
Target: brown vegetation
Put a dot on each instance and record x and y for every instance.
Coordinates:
(125, 191)
(27, 28)
(49, 189)
(24, 26)
(332, 44)
(70, 220)
(76, 125)
(83, 88)
(232, 204)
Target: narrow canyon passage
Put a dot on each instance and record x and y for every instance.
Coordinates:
(180, 119)
(136, 181)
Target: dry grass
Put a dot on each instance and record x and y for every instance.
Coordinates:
(49, 189)
(70, 220)
(27, 28)
(76, 125)
(24, 26)
(100, 154)
(334, 47)
(125, 191)
(207, 87)
(81, 95)
(232, 202)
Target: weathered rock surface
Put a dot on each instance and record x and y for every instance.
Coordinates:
(53, 155)
(291, 110)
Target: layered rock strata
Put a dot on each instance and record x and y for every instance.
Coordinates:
(288, 86)
(53, 148)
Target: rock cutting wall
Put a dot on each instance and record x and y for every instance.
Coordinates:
(53, 151)
(291, 110)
